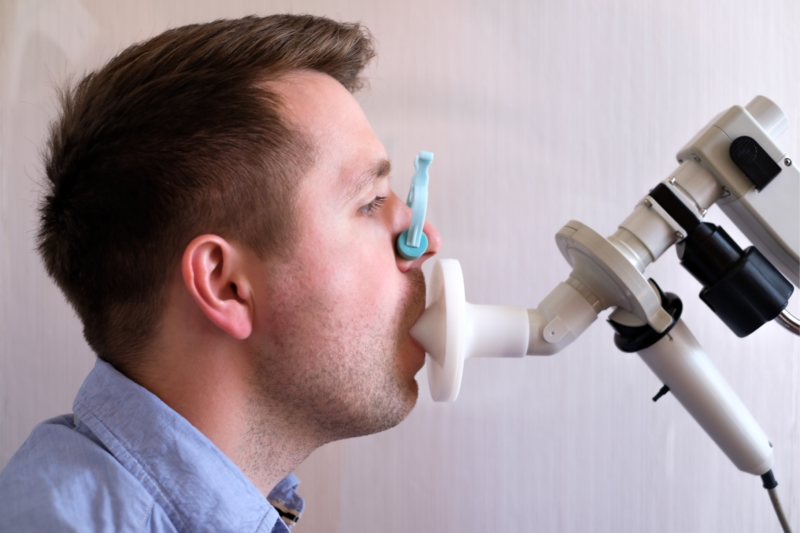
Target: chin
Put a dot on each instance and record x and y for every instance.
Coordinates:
(414, 396)
(405, 401)
(403, 411)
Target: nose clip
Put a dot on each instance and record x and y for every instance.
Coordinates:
(412, 243)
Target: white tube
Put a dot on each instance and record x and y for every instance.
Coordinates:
(681, 363)
(697, 184)
(495, 331)
(560, 319)
(650, 230)
(644, 236)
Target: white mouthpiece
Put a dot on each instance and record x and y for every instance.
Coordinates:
(452, 330)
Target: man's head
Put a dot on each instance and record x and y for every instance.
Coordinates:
(218, 189)
(175, 137)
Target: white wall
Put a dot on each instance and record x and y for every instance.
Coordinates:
(538, 112)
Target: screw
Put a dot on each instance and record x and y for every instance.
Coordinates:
(647, 203)
(672, 181)
(703, 212)
(787, 162)
(696, 159)
(679, 235)
(680, 161)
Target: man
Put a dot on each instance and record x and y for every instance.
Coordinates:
(220, 217)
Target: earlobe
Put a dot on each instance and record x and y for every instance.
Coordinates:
(213, 273)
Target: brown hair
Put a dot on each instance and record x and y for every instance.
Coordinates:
(176, 137)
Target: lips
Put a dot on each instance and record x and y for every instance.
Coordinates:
(417, 315)
(416, 343)
(414, 309)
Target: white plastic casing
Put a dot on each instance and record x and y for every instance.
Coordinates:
(609, 274)
(681, 363)
(770, 217)
(560, 319)
(653, 229)
(707, 175)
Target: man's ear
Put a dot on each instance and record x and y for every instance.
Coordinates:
(213, 271)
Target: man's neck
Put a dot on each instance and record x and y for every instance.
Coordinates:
(215, 393)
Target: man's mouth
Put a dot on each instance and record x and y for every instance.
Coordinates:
(416, 298)
(416, 343)
(415, 307)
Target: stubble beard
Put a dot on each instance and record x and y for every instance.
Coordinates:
(340, 380)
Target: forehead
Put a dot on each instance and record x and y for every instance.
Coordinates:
(347, 152)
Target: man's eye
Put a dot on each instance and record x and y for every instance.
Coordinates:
(373, 206)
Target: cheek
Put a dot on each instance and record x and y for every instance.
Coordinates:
(348, 281)
(372, 265)
(364, 280)
(359, 263)
(346, 271)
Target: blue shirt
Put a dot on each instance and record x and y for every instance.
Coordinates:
(125, 461)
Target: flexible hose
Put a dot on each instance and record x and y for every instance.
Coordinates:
(773, 496)
(770, 484)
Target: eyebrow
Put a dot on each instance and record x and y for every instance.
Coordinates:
(380, 169)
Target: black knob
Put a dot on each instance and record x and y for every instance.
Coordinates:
(754, 161)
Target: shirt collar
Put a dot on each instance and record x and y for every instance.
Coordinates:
(198, 487)
(286, 501)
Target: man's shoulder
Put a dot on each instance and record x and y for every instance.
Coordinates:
(63, 478)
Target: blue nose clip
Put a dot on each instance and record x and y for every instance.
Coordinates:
(412, 243)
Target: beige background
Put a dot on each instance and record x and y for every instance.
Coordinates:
(539, 112)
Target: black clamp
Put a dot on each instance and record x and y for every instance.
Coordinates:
(675, 208)
(636, 338)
